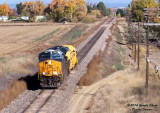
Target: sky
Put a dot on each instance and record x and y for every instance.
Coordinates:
(48, 1)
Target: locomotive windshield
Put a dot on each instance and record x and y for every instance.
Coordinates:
(58, 56)
(60, 48)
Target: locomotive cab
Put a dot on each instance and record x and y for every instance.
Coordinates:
(52, 67)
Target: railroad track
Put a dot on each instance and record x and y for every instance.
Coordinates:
(44, 95)
(86, 48)
(39, 101)
(83, 52)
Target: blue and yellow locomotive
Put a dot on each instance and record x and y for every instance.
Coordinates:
(55, 63)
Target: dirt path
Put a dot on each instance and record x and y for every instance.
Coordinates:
(81, 99)
(121, 28)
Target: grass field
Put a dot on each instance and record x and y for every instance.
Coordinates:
(15, 38)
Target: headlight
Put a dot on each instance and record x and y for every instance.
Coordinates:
(55, 73)
(44, 73)
(50, 62)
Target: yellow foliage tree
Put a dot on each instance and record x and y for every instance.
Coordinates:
(67, 8)
(39, 7)
(96, 13)
(33, 8)
(57, 3)
(81, 9)
(152, 4)
(119, 15)
(70, 7)
(4, 9)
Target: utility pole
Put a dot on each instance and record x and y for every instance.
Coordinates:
(147, 36)
(135, 53)
(135, 49)
(138, 45)
(147, 55)
(132, 50)
(147, 48)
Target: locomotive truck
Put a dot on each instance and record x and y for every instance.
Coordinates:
(55, 63)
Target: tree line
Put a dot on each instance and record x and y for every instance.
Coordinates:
(137, 10)
(57, 10)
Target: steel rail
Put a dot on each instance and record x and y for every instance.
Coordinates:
(28, 106)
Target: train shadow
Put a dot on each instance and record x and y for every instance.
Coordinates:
(31, 82)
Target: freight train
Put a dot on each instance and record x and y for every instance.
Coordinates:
(55, 63)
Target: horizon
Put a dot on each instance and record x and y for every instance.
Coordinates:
(108, 3)
(49, 1)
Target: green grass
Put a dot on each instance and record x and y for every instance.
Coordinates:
(121, 50)
(48, 35)
(117, 30)
(75, 33)
(119, 67)
(118, 35)
(119, 39)
(1, 59)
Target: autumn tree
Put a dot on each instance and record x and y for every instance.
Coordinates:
(81, 9)
(70, 7)
(137, 10)
(4, 9)
(55, 10)
(152, 4)
(119, 15)
(96, 13)
(33, 8)
(59, 9)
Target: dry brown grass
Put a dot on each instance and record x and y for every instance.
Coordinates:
(91, 103)
(113, 28)
(11, 92)
(123, 88)
(24, 65)
(109, 40)
(95, 68)
(91, 75)
(128, 87)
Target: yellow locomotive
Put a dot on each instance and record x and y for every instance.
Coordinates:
(55, 63)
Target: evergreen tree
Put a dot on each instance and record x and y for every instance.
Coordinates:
(120, 11)
(102, 8)
(19, 8)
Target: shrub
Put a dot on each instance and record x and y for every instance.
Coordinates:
(119, 67)
(96, 13)
(75, 20)
(43, 20)
(12, 17)
(89, 19)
